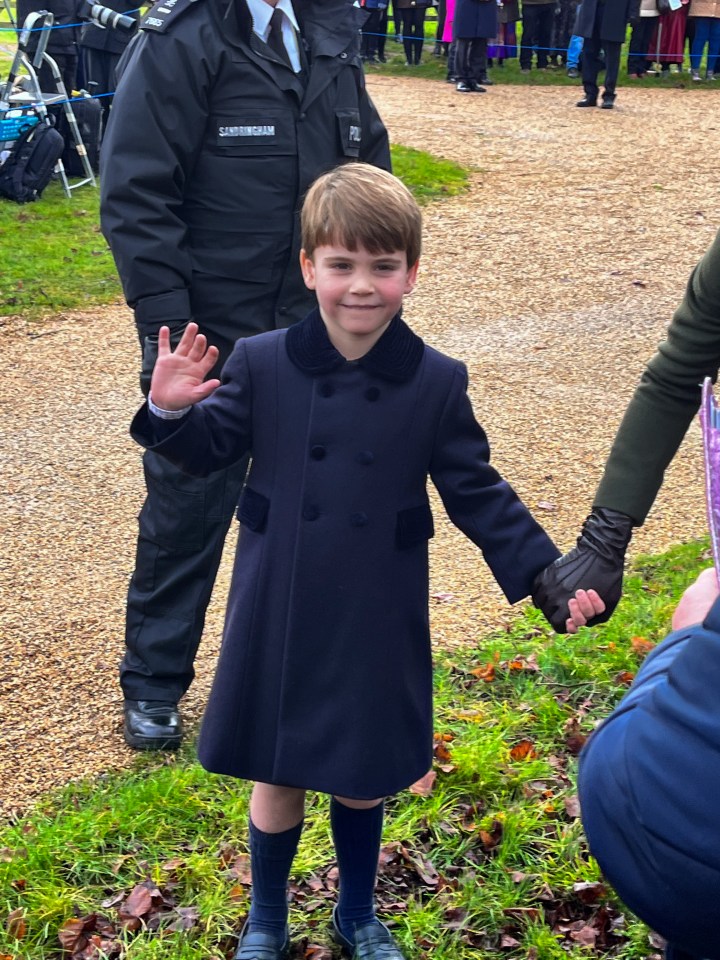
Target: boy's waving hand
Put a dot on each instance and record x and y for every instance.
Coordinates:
(178, 379)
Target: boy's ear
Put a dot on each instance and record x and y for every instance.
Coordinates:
(411, 278)
(308, 270)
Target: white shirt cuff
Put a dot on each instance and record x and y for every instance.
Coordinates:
(167, 414)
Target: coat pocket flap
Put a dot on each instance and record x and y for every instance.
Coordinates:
(414, 525)
(253, 509)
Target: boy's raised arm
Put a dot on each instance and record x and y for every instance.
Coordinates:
(178, 379)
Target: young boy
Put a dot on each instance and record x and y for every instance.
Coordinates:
(324, 680)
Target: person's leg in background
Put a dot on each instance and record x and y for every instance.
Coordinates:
(590, 69)
(441, 11)
(573, 55)
(463, 69)
(397, 21)
(713, 48)
(612, 68)
(638, 50)
(546, 17)
(702, 35)
(452, 74)
(418, 33)
(370, 36)
(406, 15)
(479, 61)
(382, 35)
(529, 35)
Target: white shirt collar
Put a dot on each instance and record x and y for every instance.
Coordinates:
(261, 12)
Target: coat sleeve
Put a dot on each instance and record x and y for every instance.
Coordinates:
(216, 433)
(375, 144)
(153, 137)
(480, 503)
(667, 397)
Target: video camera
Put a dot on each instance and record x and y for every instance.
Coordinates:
(107, 17)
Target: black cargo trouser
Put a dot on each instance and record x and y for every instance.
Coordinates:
(183, 525)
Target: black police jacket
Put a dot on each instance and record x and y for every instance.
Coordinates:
(211, 144)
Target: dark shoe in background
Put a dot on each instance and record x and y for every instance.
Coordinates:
(152, 725)
(485, 80)
(573, 73)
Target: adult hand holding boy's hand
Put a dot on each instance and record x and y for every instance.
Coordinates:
(178, 378)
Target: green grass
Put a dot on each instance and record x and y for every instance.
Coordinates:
(54, 258)
(488, 860)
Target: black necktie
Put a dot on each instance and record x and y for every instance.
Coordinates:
(275, 37)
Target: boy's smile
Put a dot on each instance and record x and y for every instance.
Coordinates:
(358, 293)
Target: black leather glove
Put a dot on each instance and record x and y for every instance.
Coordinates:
(596, 563)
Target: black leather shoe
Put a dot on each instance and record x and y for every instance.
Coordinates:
(258, 945)
(607, 105)
(152, 725)
(486, 81)
(373, 941)
(585, 102)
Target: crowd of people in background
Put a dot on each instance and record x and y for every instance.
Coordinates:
(472, 35)
(476, 34)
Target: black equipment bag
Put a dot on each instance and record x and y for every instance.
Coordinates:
(88, 113)
(28, 168)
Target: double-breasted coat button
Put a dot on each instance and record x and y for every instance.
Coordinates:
(365, 457)
(318, 452)
(326, 389)
(372, 394)
(310, 512)
(358, 519)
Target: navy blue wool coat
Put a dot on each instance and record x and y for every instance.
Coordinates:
(475, 18)
(324, 679)
(649, 784)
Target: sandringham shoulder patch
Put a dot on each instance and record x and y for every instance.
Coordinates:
(163, 13)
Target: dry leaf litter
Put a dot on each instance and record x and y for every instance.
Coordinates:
(553, 279)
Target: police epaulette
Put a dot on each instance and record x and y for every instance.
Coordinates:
(163, 13)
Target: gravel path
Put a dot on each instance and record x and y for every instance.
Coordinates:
(553, 279)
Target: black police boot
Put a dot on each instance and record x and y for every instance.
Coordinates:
(152, 725)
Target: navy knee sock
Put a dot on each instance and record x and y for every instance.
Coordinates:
(357, 835)
(271, 857)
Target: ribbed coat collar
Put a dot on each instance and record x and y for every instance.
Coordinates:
(396, 356)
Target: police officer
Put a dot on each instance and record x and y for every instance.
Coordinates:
(225, 113)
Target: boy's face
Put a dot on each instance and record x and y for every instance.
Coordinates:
(358, 293)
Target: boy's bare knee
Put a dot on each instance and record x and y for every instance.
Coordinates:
(358, 804)
(274, 809)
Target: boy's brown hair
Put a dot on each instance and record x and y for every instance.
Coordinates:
(357, 204)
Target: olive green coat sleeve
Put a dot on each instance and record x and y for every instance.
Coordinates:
(667, 396)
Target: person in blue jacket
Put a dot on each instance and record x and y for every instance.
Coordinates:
(649, 783)
(324, 680)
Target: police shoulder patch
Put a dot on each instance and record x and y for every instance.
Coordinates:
(163, 13)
